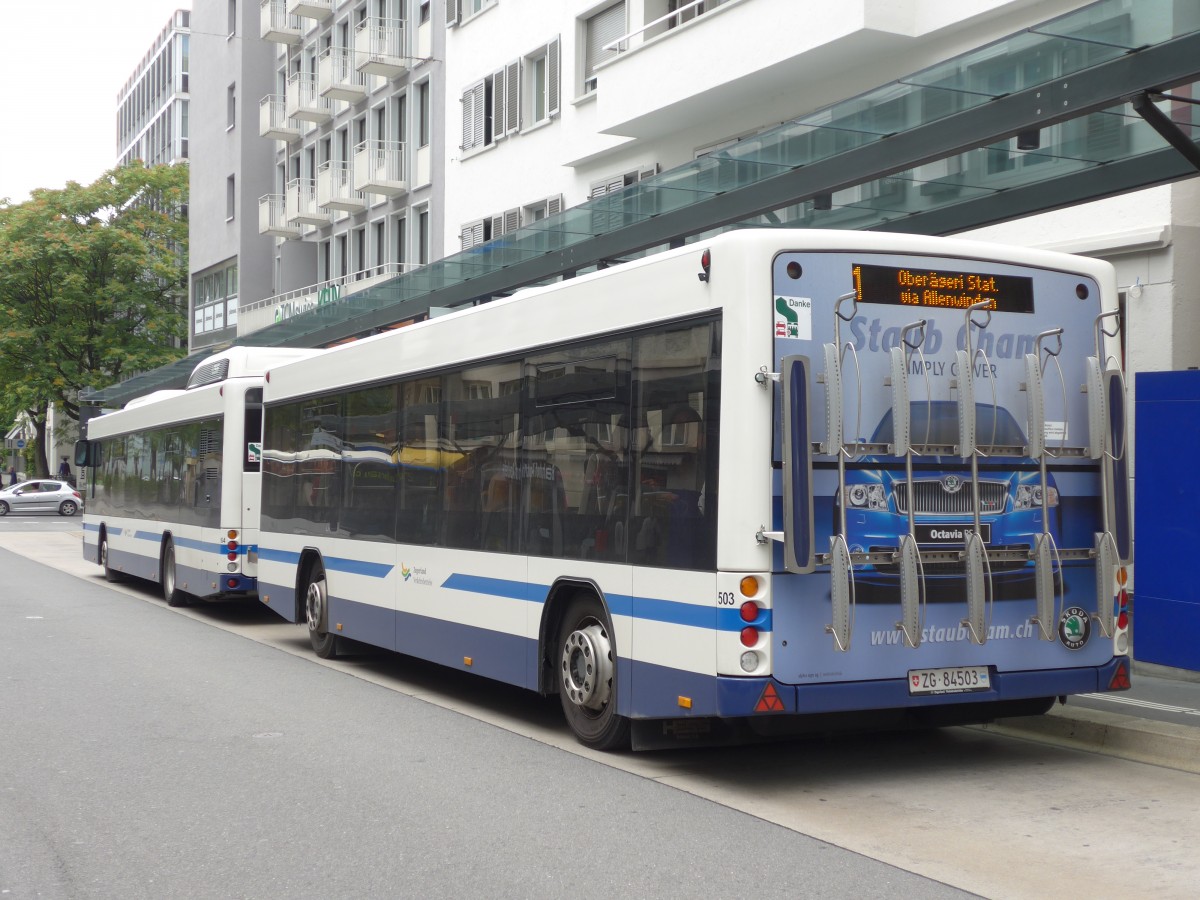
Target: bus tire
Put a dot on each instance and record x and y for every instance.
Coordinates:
(111, 575)
(586, 663)
(316, 612)
(170, 588)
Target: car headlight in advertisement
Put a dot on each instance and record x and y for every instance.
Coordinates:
(1029, 496)
(866, 496)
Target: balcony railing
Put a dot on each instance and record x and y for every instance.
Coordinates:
(303, 101)
(311, 9)
(272, 219)
(379, 47)
(334, 190)
(302, 206)
(276, 25)
(273, 121)
(337, 77)
(379, 168)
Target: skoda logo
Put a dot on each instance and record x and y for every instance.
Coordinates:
(952, 484)
(1074, 627)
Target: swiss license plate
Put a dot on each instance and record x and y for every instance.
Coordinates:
(958, 680)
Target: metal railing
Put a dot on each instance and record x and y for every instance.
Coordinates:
(616, 45)
(379, 167)
(379, 40)
(276, 23)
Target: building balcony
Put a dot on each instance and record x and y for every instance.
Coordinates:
(273, 121)
(302, 208)
(379, 168)
(311, 9)
(272, 219)
(337, 78)
(303, 100)
(334, 190)
(276, 25)
(379, 47)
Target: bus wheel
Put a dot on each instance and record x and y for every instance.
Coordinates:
(316, 610)
(110, 575)
(587, 673)
(171, 592)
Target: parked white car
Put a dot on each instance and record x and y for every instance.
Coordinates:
(42, 495)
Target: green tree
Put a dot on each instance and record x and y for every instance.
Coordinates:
(93, 288)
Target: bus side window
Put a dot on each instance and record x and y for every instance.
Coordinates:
(673, 523)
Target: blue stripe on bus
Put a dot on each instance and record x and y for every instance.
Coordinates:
(332, 563)
(648, 608)
(496, 587)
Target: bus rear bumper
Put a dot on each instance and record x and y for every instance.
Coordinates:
(767, 696)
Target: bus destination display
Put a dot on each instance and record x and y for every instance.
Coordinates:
(942, 288)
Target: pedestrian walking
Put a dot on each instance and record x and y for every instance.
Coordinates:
(12, 475)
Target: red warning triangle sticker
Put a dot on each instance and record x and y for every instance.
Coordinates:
(1120, 679)
(769, 701)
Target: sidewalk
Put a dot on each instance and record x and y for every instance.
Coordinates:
(1156, 722)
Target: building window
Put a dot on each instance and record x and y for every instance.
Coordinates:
(423, 237)
(215, 298)
(232, 17)
(541, 83)
(230, 198)
(601, 29)
(231, 107)
(401, 231)
(423, 114)
(459, 11)
(378, 245)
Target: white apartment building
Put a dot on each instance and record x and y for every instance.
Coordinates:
(390, 133)
(354, 116)
(563, 101)
(152, 107)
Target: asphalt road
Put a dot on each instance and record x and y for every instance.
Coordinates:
(151, 752)
(148, 754)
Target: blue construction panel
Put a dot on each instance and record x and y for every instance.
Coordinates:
(1166, 627)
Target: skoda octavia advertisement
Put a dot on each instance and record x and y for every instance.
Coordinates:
(1011, 494)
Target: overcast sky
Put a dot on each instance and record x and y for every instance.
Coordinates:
(61, 68)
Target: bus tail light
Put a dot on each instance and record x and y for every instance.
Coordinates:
(749, 636)
(749, 611)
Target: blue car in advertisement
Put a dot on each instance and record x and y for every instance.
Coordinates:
(1010, 501)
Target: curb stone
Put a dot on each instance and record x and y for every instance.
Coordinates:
(1127, 737)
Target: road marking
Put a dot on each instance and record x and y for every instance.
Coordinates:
(1146, 704)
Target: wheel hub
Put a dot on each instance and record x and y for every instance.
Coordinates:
(314, 607)
(587, 669)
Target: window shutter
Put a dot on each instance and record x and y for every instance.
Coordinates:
(472, 235)
(468, 122)
(552, 68)
(602, 28)
(512, 97)
(497, 226)
(554, 205)
(452, 11)
(512, 220)
(499, 126)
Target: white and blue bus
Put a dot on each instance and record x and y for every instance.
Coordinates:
(776, 480)
(174, 485)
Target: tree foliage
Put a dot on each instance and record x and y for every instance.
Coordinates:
(93, 286)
